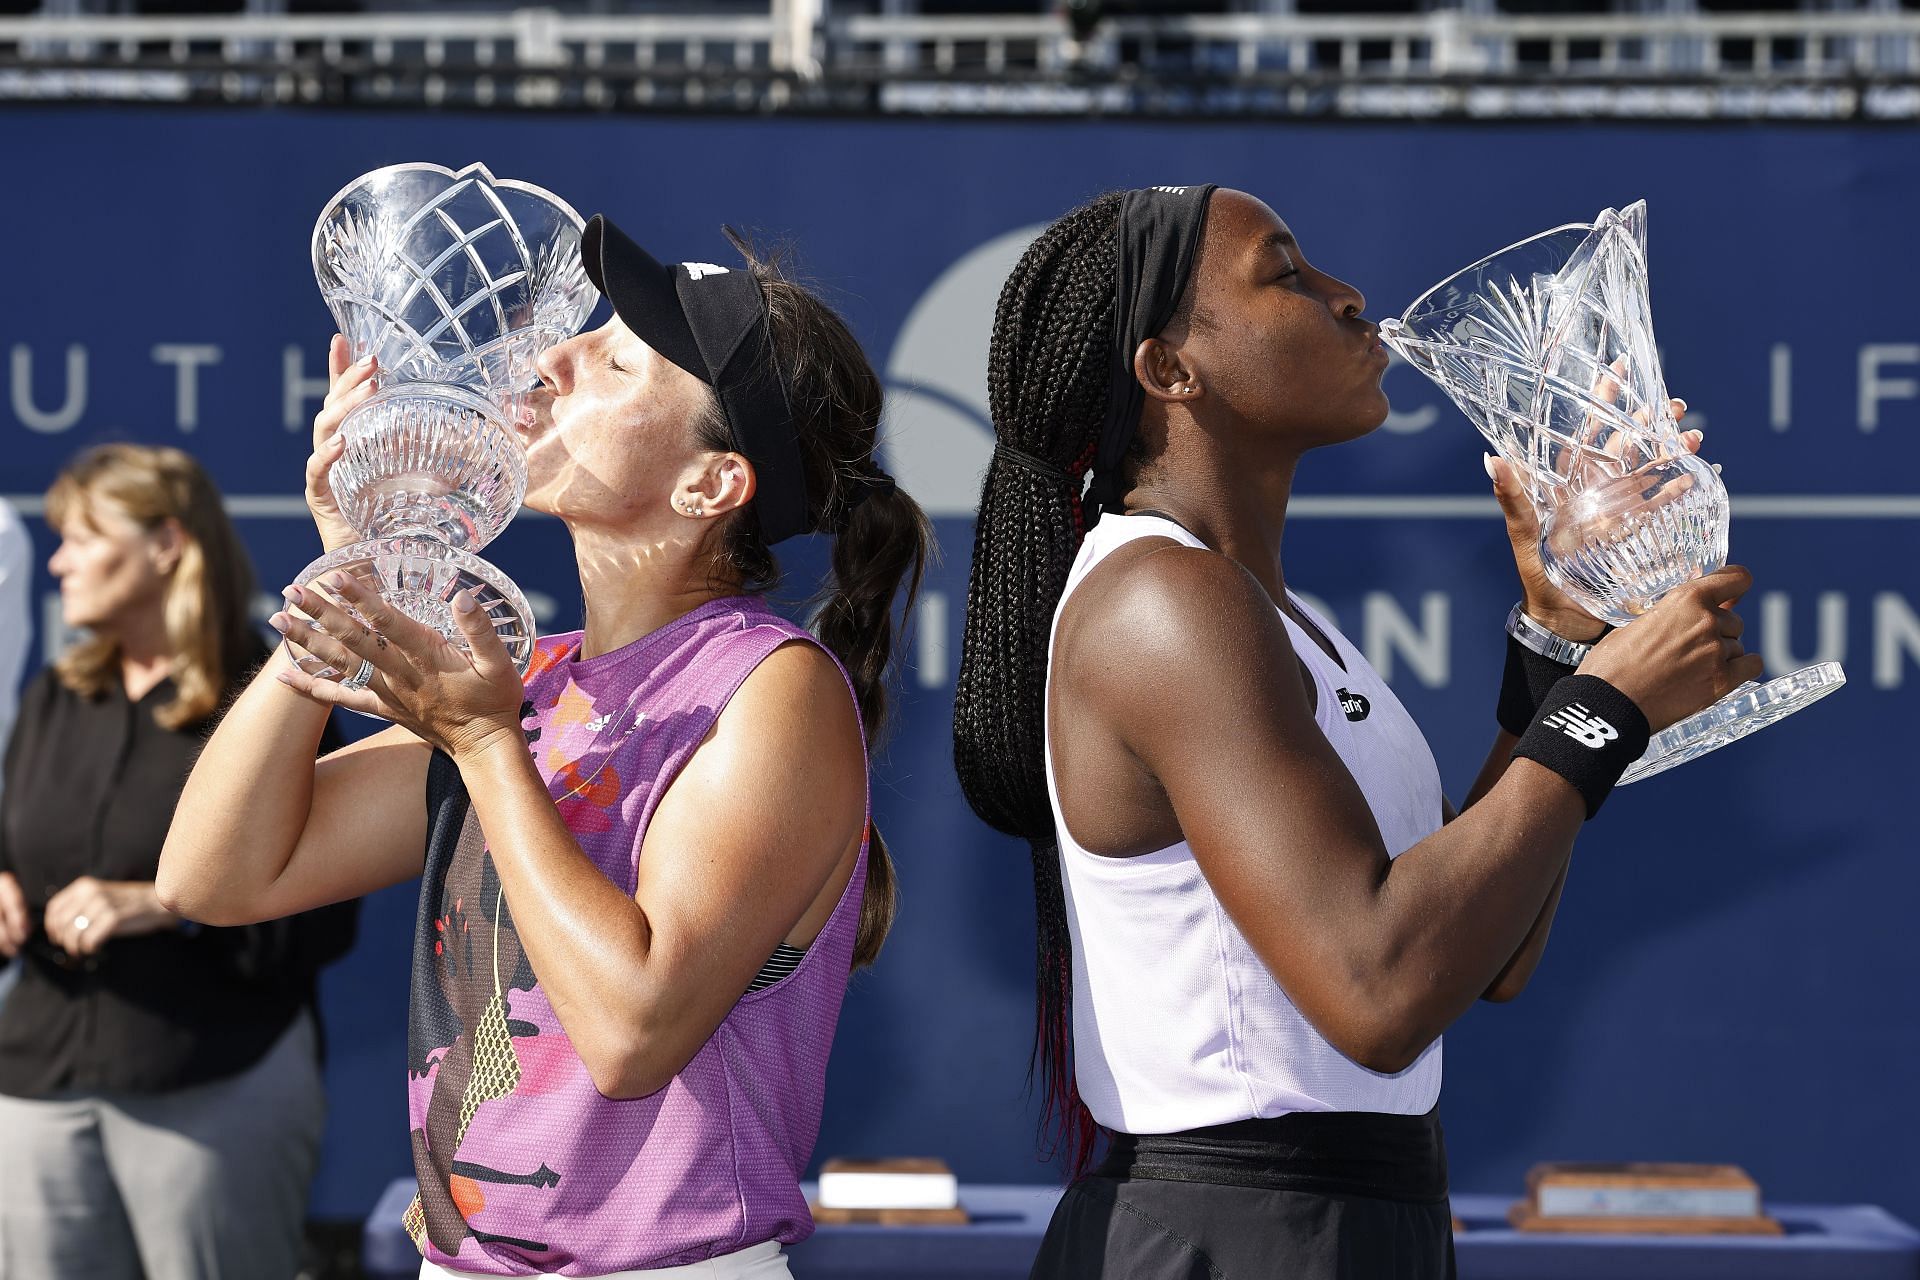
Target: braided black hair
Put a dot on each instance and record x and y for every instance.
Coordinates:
(1047, 386)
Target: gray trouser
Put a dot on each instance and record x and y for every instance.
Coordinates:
(205, 1183)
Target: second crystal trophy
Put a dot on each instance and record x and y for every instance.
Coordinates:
(1547, 346)
(455, 283)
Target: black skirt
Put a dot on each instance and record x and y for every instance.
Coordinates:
(1311, 1196)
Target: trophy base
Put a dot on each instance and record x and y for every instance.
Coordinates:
(1749, 708)
(419, 577)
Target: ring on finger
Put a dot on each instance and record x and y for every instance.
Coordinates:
(80, 923)
(361, 677)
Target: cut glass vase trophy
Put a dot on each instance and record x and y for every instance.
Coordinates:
(1547, 347)
(455, 283)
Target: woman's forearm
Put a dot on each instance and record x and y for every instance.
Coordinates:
(246, 802)
(1513, 979)
(1459, 910)
(1519, 971)
(1499, 756)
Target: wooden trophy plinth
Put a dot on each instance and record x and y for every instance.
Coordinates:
(954, 1217)
(1642, 1199)
(912, 1192)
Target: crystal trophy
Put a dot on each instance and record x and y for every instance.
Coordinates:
(455, 283)
(1547, 347)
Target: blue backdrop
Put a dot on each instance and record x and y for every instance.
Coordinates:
(1732, 976)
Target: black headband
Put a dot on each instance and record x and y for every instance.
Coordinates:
(713, 322)
(1158, 237)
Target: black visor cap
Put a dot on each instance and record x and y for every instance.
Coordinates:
(712, 321)
(643, 293)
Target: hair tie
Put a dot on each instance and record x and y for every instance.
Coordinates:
(1033, 462)
(865, 484)
(870, 484)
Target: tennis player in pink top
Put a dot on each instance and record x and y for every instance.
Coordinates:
(648, 868)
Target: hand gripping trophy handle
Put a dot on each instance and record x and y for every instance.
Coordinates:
(455, 283)
(1547, 347)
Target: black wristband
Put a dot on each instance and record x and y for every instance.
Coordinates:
(1588, 732)
(1525, 684)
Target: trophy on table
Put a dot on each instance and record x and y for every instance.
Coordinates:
(455, 283)
(1547, 347)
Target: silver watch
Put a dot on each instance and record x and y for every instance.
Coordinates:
(1548, 644)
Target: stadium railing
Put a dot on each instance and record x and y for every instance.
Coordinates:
(1449, 62)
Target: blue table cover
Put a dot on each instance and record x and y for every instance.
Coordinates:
(1823, 1242)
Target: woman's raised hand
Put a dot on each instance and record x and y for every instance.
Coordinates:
(1546, 603)
(457, 700)
(1684, 653)
(1680, 656)
(351, 385)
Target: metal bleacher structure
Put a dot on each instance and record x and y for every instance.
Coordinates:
(1358, 59)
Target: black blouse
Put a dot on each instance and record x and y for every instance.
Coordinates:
(91, 785)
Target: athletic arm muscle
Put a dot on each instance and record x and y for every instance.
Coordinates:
(262, 830)
(1380, 954)
(741, 852)
(1519, 970)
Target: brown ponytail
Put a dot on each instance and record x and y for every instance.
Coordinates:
(882, 539)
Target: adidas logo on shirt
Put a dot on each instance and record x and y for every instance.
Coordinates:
(1580, 724)
(1172, 191)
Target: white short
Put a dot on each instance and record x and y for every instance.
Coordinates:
(760, 1262)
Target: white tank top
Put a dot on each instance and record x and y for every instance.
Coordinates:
(1177, 1023)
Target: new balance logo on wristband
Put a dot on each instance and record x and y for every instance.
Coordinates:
(1589, 748)
(1580, 724)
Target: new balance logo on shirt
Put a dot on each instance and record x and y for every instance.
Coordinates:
(701, 270)
(1580, 724)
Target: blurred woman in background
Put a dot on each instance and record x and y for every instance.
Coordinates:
(160, 1092)
(647, 868)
